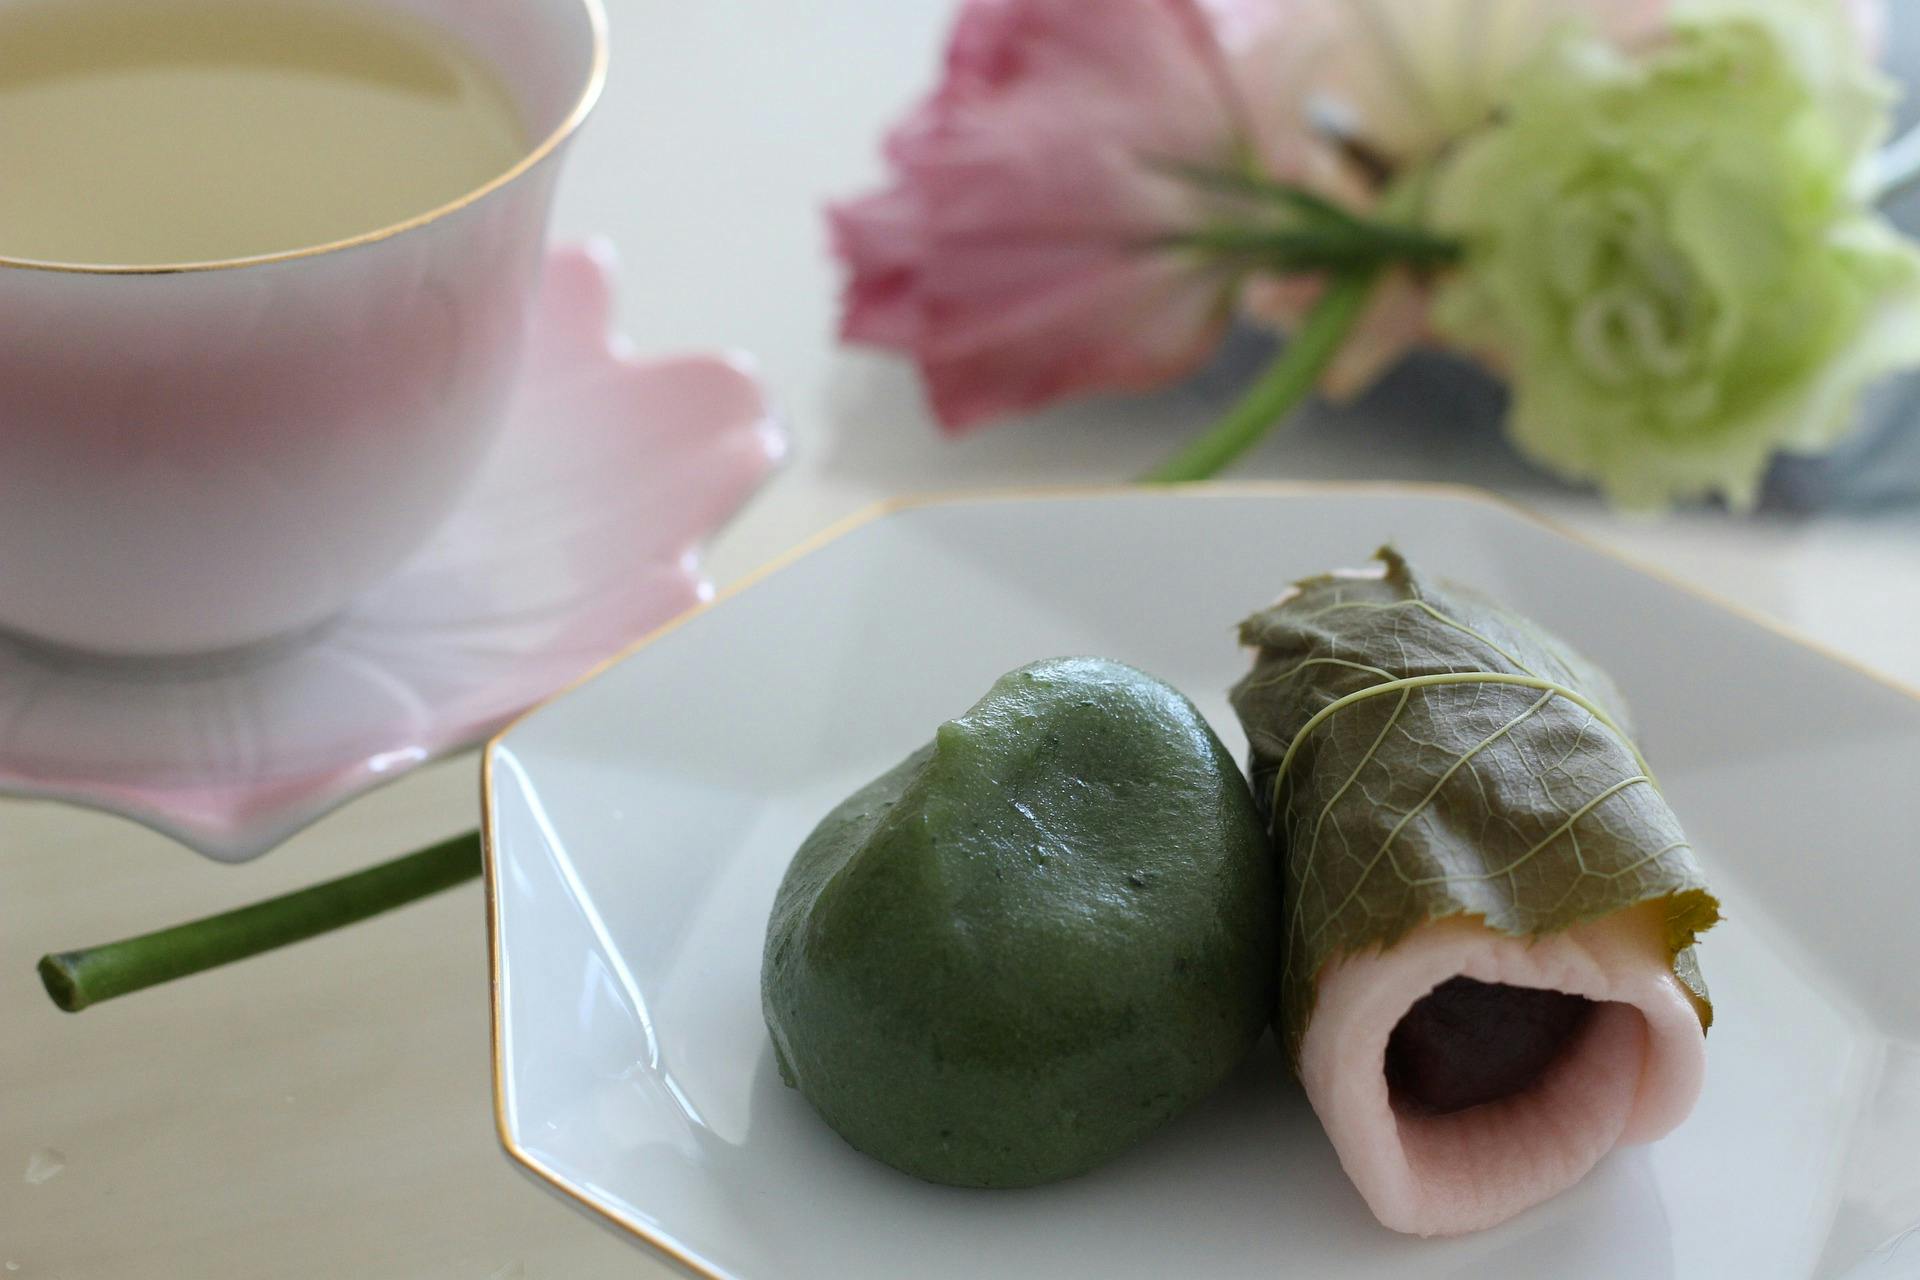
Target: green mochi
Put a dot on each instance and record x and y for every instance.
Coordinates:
(1035, 940)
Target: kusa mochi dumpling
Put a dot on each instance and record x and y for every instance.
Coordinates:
(1034, 941)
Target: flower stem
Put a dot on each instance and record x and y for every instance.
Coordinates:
(1350, 249)
(76, 979)
(1287, 381)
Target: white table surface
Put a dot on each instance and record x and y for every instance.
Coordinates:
(324, 1111)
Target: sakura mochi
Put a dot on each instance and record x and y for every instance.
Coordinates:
(1489, 909)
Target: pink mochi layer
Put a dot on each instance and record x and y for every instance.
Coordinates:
(1630, 1073)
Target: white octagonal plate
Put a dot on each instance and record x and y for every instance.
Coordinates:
(637, 827)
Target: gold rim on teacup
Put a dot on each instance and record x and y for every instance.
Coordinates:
(596, 15)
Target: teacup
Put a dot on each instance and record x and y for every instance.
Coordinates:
(206, 456)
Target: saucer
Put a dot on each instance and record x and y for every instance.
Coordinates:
(582, 534)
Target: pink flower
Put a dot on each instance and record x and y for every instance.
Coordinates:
(1018, 254)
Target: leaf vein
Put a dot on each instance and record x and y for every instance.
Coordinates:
(1386, 844)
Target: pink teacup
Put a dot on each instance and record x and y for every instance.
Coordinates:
(205, 456)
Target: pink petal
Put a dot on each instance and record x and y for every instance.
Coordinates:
(1126, 327)
(1018, 253)
(878, 237)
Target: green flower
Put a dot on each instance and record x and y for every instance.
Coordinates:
(1672, 256)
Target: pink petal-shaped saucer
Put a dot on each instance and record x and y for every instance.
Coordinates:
(581, 535)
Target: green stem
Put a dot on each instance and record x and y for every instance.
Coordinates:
(1288, 381)
(1251, 183)
(76, 979)
(1337, 249)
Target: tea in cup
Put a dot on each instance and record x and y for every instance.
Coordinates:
(264, 271)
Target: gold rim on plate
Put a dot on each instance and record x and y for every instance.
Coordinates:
(596, 16)
(656, 1239)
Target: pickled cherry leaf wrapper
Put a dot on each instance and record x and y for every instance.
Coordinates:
(1422, 753)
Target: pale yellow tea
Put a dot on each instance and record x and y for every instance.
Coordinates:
(165, 131)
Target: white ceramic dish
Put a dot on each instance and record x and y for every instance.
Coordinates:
(583, 533)
(638, 825)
